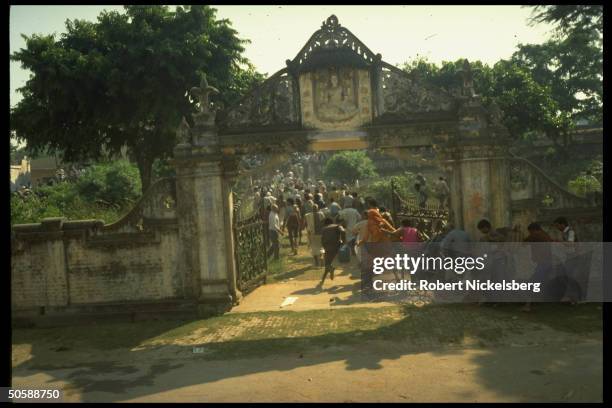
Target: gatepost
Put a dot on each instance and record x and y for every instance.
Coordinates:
(205, 209)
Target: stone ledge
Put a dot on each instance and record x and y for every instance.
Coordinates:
(104, 313)
(123, 239)
(54, 228)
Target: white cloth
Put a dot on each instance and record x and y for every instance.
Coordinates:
(347, 201)
(360, 229)
(310, 221)
(569, 235)
(351, 216)
(273, 222)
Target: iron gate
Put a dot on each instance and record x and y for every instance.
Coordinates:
(428, 219)
(250, 250)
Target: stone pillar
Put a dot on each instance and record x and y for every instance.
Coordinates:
(477, 161)
(204, 210)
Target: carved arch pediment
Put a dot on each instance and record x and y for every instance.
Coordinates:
(333, 44)
(336, 82)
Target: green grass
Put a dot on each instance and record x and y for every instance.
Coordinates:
(265, 333)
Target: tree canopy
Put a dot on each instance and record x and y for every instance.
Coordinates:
(527, 105)
(123, 81)
(349, 166)
(545, 88)
(571, 63)
(568, 18)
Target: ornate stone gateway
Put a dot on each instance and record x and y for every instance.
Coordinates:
(335, 94)
(183, 247)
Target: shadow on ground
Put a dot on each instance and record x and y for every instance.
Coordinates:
(119, 358)
(129, 360)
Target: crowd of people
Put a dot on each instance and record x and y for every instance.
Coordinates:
(331, 218)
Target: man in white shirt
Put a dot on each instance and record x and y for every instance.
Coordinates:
(274, 230)
(314, 225)
(347, 200)
(269, 200)
(568, 232)
(359, 231)
(349, 217)
(443, 192)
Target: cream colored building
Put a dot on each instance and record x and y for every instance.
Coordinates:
(20, 174)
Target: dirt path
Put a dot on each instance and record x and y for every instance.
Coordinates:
(372, 372)
(298, 281)
(328, 346)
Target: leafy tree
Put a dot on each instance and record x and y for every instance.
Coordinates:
(569, 18)
(543, 88)
(349, 166)
(123, 81)
(162, 168)
(571, 63)
(573, 70)
(104, 191)
(527, 105)
(584, 184)
(381, 189)
(115, 183)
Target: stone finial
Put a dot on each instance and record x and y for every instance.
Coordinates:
(467, 75)
(496, 115)
(183, 132)
(205, 115)
(331, 24)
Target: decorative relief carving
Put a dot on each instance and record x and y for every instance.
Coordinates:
(519, 176)
(495, 114)
(273, 103)
(336, 98)
(403, 94)
(332, 36)
(183, 132)
(467, 76)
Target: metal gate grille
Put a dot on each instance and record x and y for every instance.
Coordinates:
(426, 217)
(250, 251)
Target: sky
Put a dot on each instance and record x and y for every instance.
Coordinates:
(277, 33)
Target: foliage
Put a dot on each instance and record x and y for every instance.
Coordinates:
(162, 168)
(122, 81)
(115, 183)
(105, 191)
(569, 18)
(565, 171)
(381, 189)
(528, 106)
(543, 88)
(34, 208)
(349, 166)
(583, 184)
(572, 68)
(571, 63)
